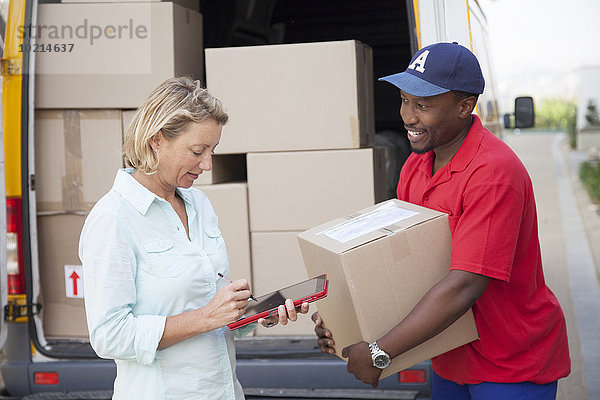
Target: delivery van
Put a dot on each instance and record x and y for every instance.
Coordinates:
(50, 104)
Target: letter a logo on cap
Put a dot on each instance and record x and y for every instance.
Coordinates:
(419, 63)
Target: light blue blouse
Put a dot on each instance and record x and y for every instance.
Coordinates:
(140, 267)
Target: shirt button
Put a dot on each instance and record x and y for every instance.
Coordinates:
(426, 197)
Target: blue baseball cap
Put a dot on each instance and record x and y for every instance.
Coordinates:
(440, 68)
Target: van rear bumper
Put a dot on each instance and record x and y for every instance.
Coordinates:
(88, 375)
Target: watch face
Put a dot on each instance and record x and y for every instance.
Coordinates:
(382, 361)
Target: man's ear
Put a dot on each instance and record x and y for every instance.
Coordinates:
(466, 106)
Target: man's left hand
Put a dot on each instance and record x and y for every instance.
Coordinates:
(360, 363)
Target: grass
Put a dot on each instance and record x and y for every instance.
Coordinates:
(589, 173)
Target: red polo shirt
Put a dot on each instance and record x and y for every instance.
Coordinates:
(488, 195)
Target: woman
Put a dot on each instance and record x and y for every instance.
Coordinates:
(151, 251)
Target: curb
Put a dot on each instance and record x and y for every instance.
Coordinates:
(589, 211)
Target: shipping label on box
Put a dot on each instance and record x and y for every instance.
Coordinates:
(74, 281)
(390, 254)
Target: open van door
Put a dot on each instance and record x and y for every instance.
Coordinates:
(3, 242)
(3, 232)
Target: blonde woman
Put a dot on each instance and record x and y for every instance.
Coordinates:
(151, 250)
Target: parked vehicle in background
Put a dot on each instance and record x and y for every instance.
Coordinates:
(281, 367)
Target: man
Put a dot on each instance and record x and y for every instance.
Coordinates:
(460, 168)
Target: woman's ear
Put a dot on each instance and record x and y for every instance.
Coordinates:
(156, 141)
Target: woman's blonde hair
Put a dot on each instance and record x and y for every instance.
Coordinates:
(170, 108)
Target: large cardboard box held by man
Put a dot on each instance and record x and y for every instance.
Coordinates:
(380, 262)
(287, 97)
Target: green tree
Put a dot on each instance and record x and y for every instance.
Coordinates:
(557, 114)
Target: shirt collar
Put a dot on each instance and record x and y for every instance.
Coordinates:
(186, 195)
(138, 195)
(468, 148)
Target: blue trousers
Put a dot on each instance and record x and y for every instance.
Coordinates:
(443, 389)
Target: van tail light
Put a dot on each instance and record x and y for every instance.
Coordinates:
(412, 376)
(45, 378)
(14, 247)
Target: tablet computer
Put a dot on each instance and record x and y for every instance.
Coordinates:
(307, 291)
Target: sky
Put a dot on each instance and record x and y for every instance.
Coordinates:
(539, 46)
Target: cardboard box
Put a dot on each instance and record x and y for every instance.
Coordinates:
(277, 263)
(112, 55)
(230, 202)
(293, 191)
(305, 96)
(225, 168)
(126, 117)
(191, 4)
(77, 155)
(58, 241)
(387, 255)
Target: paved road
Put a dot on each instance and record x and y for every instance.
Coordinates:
(569, 264)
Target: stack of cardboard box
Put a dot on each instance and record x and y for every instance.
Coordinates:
(302, 114)
(94, 61)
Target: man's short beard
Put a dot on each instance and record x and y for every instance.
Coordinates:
(420, 151)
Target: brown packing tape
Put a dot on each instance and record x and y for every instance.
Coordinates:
(72, 193)
(394, 228)
(55, 207)
(399, 248)
(51, 212)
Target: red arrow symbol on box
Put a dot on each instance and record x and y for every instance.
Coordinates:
(74, 276)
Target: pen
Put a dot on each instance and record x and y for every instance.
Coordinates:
(226, 279)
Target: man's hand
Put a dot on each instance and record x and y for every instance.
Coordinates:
(325, 340)
(360, 363)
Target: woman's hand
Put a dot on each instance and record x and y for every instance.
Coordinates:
(284, 314)
(325, 338)
(228, 304)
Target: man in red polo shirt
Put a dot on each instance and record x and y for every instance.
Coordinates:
(460, 168)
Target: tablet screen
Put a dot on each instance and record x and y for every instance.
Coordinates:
(294, 292)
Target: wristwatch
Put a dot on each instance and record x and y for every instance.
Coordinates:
(381, 359)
